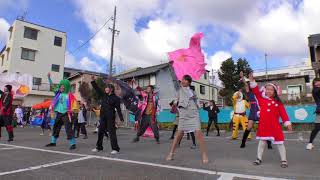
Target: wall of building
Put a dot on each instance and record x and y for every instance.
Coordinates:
(167, 91)
(46, 52)
(284, 84)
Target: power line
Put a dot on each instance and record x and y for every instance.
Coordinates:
(83, 44)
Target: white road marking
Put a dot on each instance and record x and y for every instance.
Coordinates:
(8, 148)
(45, 165)
(88, 156)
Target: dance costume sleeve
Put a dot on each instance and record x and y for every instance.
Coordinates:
(6, 104)
(283, 114)
(142, 93)
(118, 108)
(217, 110)
(255, 89)
(96, 88)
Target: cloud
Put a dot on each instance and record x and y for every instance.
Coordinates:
(217, 59)
(277, 27)
(211, 12)
(88, 64)
(5, 5)
(128, 45)
(4, 26)
(84, 63)
(282, 31)
(70, 60)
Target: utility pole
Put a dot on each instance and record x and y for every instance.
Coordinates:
(212, 84)
(114, 32)
(265, 58)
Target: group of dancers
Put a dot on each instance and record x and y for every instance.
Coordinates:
(264, 104)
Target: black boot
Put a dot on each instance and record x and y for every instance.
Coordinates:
(136, 139)
(244, 138)
(269, 145)
(174, 131)
(51, 145)
(10, 136)
(72, 147)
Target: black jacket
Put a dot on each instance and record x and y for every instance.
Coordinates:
(316, 97)
(212, 113)
(109, 103)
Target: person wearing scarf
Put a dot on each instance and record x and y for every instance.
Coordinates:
(61, 107)
(5, 111)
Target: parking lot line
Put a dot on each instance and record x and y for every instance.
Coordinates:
(9, 148)
(44, 166)
(88, 156)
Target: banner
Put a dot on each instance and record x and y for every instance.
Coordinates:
(297, 114)
(21, 83)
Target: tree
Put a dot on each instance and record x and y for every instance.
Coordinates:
(229, 75)
(90, 95)
(85, 92)
(95, 96)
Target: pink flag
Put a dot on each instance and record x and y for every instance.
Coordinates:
(189, 61)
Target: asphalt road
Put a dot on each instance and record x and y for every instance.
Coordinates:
(27, 158)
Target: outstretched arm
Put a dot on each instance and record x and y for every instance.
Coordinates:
(254, 86)
(118, 108)
(96, 87)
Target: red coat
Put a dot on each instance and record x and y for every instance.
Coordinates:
(269, 127)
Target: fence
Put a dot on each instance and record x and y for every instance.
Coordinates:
(297, 114)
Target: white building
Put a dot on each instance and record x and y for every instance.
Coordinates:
(305, 69)
(36, 50)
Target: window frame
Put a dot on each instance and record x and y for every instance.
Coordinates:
(202, 89)
(57, 65)
(32, 50)
(54, 41)
(25, 35)
(36, 78)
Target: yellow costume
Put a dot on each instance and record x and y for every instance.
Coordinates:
(239, 116)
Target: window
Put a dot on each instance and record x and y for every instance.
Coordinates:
(205, 76)
(73, 88)
(202, 89)
(36, 81)
(140, 82)
(55, 68)
(146, 81)
(57, 41)
(192, 88)
(28, 54)
(30, 33)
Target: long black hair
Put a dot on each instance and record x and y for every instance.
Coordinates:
(213, 103)
(314, 81)
(111, 87)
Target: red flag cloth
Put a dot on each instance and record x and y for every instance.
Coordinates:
(189, 61)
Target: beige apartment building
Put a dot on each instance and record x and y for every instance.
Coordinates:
(36, 50)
